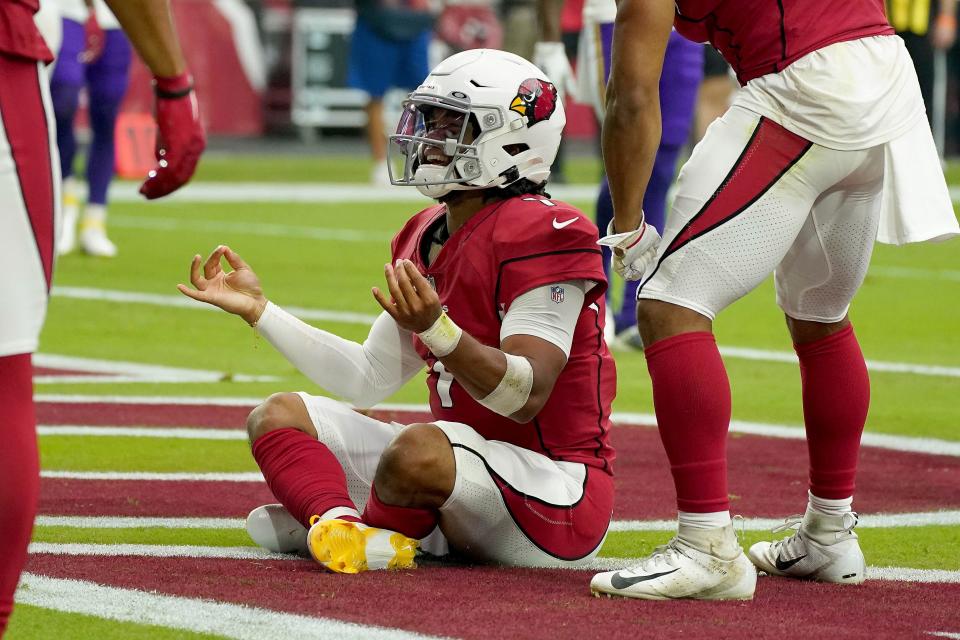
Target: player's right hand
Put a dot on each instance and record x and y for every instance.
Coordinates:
(552, 59)
(180, 137)
(236, 292)
(633, 251)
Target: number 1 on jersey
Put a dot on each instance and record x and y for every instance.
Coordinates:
(444, 382)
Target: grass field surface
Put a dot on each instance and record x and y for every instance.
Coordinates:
(323, 258)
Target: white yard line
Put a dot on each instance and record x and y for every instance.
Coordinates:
(898, 574)
(148, 400)
(867, 521)
(183, 302)
(114, 371)
(119, 522)
(742, 353)
(176, 433)
(253, 553)
(307, 192)
(259, 229)
(933, 446)
(914, 273)
(240, 476)
(190, 614)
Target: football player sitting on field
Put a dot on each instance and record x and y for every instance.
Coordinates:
(498, 291)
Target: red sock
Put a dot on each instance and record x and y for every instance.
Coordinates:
(19, 473)
(691, 395)
(410, 521)
(836, 395)
(302, 472)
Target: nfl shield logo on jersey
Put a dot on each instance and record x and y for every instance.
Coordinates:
(556, 294)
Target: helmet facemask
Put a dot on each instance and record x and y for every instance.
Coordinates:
(437, 141)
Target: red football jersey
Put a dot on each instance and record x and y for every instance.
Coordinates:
(758, 37)
(19, 35)
(503, 251)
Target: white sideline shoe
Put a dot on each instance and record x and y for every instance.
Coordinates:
(680, 570)
(345, 546)
(67, 241)
(94, 240)
(824, 548)
(273, 528)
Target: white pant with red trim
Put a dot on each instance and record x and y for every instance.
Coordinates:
(29, 202)
(509, 505)
(754, 199)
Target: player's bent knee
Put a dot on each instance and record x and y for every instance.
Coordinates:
(658, 320)
(417, 465)
(279, 411)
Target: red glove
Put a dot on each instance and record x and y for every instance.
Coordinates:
(180, 138)
(93, 40)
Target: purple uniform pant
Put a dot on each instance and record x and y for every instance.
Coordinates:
(106, 82)
(679, 83)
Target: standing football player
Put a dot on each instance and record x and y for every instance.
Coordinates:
(29, 218)
(824, 149)
(498, 291)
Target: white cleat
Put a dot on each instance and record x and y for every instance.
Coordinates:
(273, 528)
(345, 546)
(679, 570)
(94, 240)
(67, 241)
(824, 548)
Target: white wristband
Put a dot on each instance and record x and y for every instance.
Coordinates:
(514, 388)
(442, 337)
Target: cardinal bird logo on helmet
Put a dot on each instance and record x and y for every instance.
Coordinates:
(536, 100)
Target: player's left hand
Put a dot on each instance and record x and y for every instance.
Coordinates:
(633, 251)
(180, 137)
(93, 40)
(413, 303)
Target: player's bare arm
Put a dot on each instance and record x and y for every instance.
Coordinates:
(631, 129)
(481, 369)
(180, 137)
(237, 292)
(149, 25)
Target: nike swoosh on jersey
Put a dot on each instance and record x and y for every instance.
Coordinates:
(783, 565)
(619, 582)
(561, 225)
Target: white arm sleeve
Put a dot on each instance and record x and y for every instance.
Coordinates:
(360, 374)
(537, 313)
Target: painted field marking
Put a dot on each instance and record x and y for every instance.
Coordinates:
(914, 273)
(742, 353)
(254, 553)
(175, 433)
(190, 614)
(240, 476)
(307, 192)
(112, 522)
(183, 302)
(121, 191)
(259, 229)
(867, 521)
(932, 446)
(117, 371)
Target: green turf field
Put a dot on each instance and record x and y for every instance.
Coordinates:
(906, 313)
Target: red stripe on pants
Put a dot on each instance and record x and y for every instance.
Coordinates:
(25, 125)
(771, 151)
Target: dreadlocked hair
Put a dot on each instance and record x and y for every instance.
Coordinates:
(522, 187)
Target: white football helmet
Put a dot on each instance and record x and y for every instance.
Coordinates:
(483, 118)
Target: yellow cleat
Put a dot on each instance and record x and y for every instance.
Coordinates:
(351, 547)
